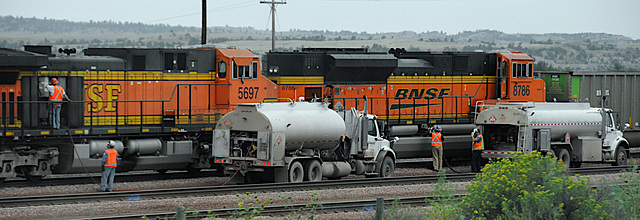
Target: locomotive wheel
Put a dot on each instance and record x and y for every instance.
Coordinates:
(621, 157)
(563, 154)
(387, 167)
(312, 171)
(296, 173)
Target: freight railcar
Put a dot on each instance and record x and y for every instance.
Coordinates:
(159, 105)
(409, 91)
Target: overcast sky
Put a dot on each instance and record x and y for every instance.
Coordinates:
(451, 16)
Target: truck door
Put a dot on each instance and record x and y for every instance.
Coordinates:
(610, 130)
(373, 138)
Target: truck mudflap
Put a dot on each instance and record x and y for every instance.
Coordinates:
(497, 154)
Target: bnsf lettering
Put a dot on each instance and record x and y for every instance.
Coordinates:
(427, 94)
(99, 93)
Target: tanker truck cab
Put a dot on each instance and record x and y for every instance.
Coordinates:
(573, 132)
(373, 158)
(299, 141)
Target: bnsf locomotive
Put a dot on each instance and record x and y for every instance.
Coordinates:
(409, 91)
(161, 105)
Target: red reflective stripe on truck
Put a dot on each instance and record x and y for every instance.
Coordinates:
(498, 152)
(567, 124)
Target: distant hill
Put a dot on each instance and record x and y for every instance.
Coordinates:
(556, 51)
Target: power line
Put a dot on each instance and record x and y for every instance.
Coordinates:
(273, 20)
(223, 8)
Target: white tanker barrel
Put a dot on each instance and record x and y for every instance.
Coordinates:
(305, 125)
(578, 122)
(577, 119)
(299, 125)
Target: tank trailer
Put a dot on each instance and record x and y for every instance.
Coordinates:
(299, 141)
(574, 132)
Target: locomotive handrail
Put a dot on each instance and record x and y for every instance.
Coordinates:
(485, 79)
(8, 117)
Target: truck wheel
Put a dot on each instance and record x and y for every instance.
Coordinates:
(563, 154)
(621, 157)
(312, 171)
(296, 173)
(387, 167)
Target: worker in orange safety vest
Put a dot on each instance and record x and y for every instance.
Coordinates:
(109, 162)
(56, 92)
(436, 147)
(476, 151)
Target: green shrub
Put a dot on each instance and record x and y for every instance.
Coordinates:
(445, 207)
(531, 186)
(625, 196)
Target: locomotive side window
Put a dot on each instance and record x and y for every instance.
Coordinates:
(234, 70)
(244, 72)
(254, 68)
(222, 69)
(505, 68)
(522, 70)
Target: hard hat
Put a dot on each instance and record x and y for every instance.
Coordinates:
(54, 81)
(438, 128)
(111, 144)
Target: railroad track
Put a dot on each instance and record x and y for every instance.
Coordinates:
(134, 177)
(219, 190)
(283, 210)
(252, 188)
(77, 179)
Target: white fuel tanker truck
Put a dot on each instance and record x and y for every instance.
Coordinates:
(299, 141)
(574, 132)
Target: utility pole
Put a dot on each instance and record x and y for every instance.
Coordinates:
(203, 37)
(273, 21)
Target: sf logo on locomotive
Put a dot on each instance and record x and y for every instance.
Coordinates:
(100, 93)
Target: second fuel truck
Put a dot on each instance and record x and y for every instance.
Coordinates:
(574, 132)
(299, 141)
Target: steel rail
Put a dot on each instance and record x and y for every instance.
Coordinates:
(252, 188)
(283, 210)
(221, 190)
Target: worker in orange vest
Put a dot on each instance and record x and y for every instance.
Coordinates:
(476, 151)
(436, 147)
(55, 96)
(109, 162)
